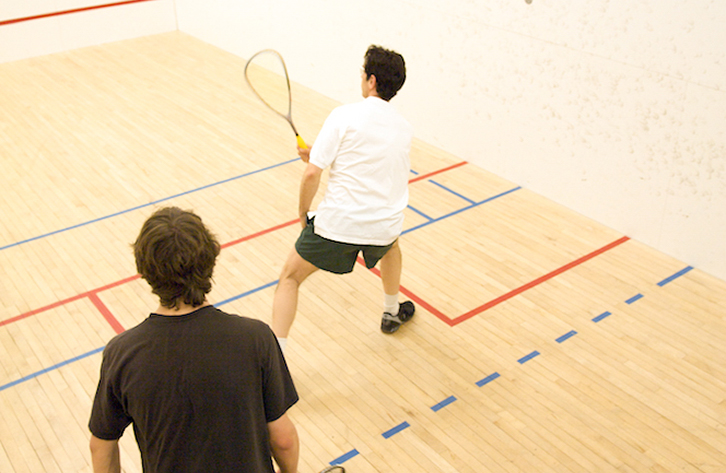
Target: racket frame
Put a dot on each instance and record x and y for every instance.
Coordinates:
(288, 117)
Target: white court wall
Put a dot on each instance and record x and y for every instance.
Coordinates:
(614, 109)
(76, 30)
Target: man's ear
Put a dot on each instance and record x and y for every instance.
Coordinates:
(373, 83)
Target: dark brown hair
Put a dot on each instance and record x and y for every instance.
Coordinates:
(175, 253)
(388, 67)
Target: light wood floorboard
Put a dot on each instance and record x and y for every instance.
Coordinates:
(94, 140)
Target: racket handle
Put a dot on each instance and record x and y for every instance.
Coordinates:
(301, 142)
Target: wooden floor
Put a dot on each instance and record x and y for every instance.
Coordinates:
(543, 341)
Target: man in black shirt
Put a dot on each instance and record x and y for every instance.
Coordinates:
(205, 391)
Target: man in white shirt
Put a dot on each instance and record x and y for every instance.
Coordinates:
(366, 145)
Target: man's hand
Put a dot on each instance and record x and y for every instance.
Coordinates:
(304, 153)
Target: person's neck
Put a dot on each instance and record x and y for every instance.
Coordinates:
(376, 96)
(183, 309)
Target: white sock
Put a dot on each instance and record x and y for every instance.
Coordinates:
(282, 342)
(390, 303)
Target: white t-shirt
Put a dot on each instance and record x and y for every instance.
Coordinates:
(366, 145)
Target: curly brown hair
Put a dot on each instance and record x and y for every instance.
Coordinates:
(388, 67)
(175, 253)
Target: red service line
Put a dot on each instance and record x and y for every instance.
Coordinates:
(92, 295)
(89, 294)
(455, 321)
(426, 176)
(106, 313)
(260, 233)
(66, 12)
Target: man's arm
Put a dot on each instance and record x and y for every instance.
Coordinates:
(284, 443)
(308, 188)
(105, 455)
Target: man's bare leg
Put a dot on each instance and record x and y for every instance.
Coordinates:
(394, 314)
(391, 265)
(284, 304)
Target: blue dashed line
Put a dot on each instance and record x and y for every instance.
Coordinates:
(495, 375)
(488, 379)
(564, 337)
(443, 404)
(525, 359)
(390, 433)
(344, 458)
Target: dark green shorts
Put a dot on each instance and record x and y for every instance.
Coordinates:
(335, 256)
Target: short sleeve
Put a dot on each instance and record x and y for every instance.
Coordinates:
(327, 144)
(278, 388)
(108, 418)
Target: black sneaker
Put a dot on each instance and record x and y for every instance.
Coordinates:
(390, 322)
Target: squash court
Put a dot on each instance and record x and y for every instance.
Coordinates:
(543, 341)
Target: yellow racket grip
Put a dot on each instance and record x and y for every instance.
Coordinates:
(301, 142)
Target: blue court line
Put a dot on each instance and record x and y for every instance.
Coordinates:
(634, 298)
(564, 337)
(146, 205)
(675, 276)
(442, 404)
(601, 316)
(50, 368)
(461, 210)
(345, 457)
(92, 352)
(525, 359)
(452, 192)
(390, 433)
(420, 213)
(245, 294)
(488, 379)
(265, 286)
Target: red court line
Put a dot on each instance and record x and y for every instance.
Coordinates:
(106, 313)
(66, 12)
(67, 301)
(93, 294)
(452, 322)
(412, 296)
(255, 235)
(538, 281)
(424, 176)
(42, 309)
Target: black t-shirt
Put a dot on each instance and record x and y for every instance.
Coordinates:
(198, 388)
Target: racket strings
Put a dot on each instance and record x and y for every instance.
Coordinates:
(266, 75)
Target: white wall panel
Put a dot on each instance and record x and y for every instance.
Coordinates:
(614, 109)
(60, 33)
